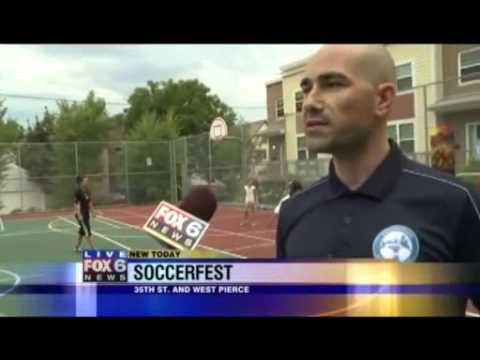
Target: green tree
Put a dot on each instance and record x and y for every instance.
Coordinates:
(154, 128)
(117, 129)
(82, 121)
(81, 131)
(10, 132)
(38, 156)
(149, 158)
(191, 101)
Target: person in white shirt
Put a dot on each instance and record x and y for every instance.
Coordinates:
(293, 187)
(250, 203)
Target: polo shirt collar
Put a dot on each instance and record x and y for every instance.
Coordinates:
(379, 184)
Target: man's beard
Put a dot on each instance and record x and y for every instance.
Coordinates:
(341, 144)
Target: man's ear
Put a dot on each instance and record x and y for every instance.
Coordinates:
(384, 99)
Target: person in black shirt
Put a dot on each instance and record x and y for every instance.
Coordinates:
(375, 202)
(83, 209)
(293, 187)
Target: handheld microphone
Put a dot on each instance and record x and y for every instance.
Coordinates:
(183, 227)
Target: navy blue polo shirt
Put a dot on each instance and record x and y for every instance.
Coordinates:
(405, 211)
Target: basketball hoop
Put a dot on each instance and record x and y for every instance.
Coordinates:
(218, 129)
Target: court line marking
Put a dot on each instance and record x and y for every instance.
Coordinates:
(250, 247)
(98, 234)
(225, 252)
(2, 227)
(214, 235)
(69, 230)
(241, 234)
(32, 276)
(62, 231)
(214, 218)
(222, 231)
(23, 277)
(16, 278)
(261, 231)
(215, 229)
(130, 214)
(225, 217)
(247, 233)
(126, 213)
(141, 236)
(121, 223)
(220, 217)
(107, 223)
(219, 234)
(22, 233)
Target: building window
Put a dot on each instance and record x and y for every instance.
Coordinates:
(298, 101)
(260, 155)
(302, 151)
(473, 141)
(274, 151)
(404, 77)
(404, 135)
(279, 110)
(469, 65)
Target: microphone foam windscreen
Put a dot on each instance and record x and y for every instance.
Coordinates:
(200, 202)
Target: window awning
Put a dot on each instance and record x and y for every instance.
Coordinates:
(456, 103)
(273, 129)
(271, 132)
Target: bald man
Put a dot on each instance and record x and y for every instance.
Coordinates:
(375, 202)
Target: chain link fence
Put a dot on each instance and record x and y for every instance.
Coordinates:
(438, 124)
(41, 176)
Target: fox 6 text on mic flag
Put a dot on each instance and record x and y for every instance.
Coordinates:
(175, 227)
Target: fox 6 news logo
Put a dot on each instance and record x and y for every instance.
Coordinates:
(105, 266)
(175, 226)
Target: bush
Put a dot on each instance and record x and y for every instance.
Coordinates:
(148, 188)
(473, 166)
(473, 181)
(270, 192)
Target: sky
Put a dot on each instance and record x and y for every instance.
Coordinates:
(236, 73)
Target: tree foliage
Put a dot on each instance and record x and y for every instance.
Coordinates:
(10, 132)
(38, 156)
(190, 100)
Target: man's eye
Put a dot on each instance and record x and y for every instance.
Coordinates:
(333, 83)
(306, 89)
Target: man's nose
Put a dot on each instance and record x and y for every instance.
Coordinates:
(313, 100)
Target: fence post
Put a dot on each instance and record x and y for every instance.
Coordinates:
(185, 183)
(127, 183)
(173, 171)
(20, 175)
(209, 160)
(243, 154)
(77, 169)
(282, 170)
